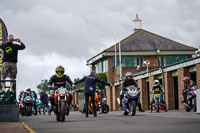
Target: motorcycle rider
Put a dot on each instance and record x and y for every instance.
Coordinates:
(20, 96)
(59, 80)
(20, 100)
(157, 89)
(34, 102)
(27, 93)
(127, 82)
(186, 81)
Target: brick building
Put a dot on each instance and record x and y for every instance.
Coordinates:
(141, 46)
(173, 83)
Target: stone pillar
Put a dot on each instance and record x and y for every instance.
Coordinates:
(169, 97)
(73, 98)
(76, 98)
(143, 93)
(115, 95)
(109, 97)
(182, 72)
(110, 73)
(198, 75)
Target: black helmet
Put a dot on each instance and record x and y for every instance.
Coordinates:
(129, 74)
(28, 90)
(60, 69)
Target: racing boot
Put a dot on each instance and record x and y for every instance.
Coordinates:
(151, 108)
(140, 107)
(95, 113)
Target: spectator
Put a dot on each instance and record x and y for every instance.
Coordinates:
(44, 99)
(10, 60)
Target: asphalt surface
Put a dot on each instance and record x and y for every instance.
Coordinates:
(115, 122)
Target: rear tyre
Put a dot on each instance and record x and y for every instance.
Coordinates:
(62, 111)
(105, 108)
(157, 107)
(133, 108)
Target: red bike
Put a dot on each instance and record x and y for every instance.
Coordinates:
(61, 98)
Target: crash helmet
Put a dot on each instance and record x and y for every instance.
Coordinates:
(129, 74)
(60, 71)
(191, 83)
(21, 92)
(156, 83)
(28, 90)
(186, 80)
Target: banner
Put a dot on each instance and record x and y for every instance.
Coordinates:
(3, 39)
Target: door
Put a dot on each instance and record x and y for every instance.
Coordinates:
(176, 104)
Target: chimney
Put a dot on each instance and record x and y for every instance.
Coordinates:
(137, 24)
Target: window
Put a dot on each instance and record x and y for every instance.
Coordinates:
(126, 61)
(140, 61)
(101, 66)
(175, 59)
(105, 65)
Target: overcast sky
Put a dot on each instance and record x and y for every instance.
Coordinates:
(69, 32)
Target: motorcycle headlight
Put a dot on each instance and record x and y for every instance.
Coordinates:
(61, 91)
(133, 93)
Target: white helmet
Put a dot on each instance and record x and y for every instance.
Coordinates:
(156, 83)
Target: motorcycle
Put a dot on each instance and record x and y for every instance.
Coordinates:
(130, 100)
(103, 106)
(61, 98)
(157, 101)
(100, 104)
(28, 104)
(190, 102)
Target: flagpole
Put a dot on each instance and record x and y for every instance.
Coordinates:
(115, 54)
(120, 61)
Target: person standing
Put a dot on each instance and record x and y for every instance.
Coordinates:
(44, 99)
(10, 60)
(90, 89)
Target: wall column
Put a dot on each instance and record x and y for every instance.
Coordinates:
(169, 90)
(182, 72)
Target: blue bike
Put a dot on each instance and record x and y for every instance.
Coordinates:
(130, 100)
(190, 103)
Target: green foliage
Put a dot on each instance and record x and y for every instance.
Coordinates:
(43, 86)
(103, 77)
(80, 85)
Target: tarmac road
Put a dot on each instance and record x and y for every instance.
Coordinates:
(115, 122)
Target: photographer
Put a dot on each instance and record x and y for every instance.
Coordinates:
(10, 60)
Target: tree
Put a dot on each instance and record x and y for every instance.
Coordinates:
(103, 77)
(43, 86)
(80, 85)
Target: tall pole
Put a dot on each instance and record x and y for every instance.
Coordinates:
(120, 62)
(115, 54)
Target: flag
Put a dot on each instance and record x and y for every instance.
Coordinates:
(3, 39)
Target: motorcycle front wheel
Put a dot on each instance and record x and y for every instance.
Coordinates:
(132, 107)
(62, 111)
